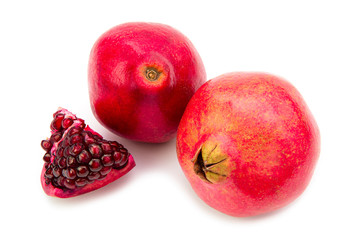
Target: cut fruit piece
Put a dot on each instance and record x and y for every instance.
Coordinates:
(78, 160)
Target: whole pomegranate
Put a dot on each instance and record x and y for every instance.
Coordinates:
(78, 160)
(248, 143)
(141, 77)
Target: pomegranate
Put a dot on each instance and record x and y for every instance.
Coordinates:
(78, 160)
(248, 143)
(141, 77)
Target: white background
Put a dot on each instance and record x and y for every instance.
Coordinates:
(44, 49)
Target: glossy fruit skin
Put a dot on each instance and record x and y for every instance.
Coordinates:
(123, 99)
(258, 139)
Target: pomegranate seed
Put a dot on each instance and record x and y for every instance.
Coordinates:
(67, 122)
(69, 173)
(120, 158)
(60, 152)
(95, 150)
(56, 123)
(47, 157)
(49, 173)
(46, 165)
(66, 142)
(60, 181)
(82, 171)
(89, 140)
(107, 160)
(117, 145)
(101, 177)
(55, 137)
(95, 165)
(76, 138)
(76, 149)
(93, 176)
(62, 162)
(106, 147)
(71, 161)
(84, 157)
(117, 156)
(56, 171)
(74, 130)
(80, 182)
(46, 145)
(69, 183)
(105, 170)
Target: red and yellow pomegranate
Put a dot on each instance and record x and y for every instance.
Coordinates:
(248, 143)
(141, 77)
(78, 160)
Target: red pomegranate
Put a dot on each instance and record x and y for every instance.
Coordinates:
(141, 77)
(248, 143)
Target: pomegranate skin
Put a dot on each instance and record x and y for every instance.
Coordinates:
(141, 77)
(247, 143)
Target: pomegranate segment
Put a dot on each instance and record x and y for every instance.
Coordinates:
(78, 160)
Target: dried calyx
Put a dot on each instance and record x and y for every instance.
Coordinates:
(211, 165)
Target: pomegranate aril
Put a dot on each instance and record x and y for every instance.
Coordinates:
(97, 137)
(106, 147)
(69, 173)
(47, 157)
(60, 181)
(74, 130)
(122, 162)
(93, 176)
(62, 162)
(67, 122)
(107, 160)
(117, 156)
(95, 165)
(60, 152)
(56, 171)
(117, 145)
(105, 170)
(76, 149)
(46, 165)
(66, 142)
(82, 171)
(56, 123)
(71, 161)
(120, 157)
(95, 150)
(49, 173)
(101, 177)
(84, 157)
(55, 137)
(46, 145)
(69, 183)
(66, 152)
(89, 140)
(76, 138)
(80, 182)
